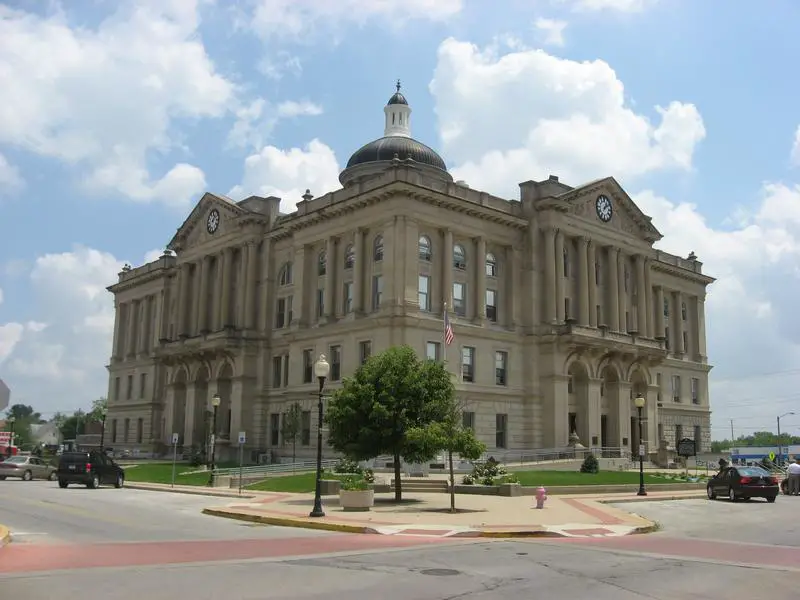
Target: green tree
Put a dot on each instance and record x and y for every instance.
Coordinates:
(73, 425)
(99, 408)
(24, 416)
(390, 394)
(291, 427)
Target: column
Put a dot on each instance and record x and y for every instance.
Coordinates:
(641, 300)
(250, 286)
(299, 303)
(592, 249)
(559, 251)
(163, 318)
(648, 284)
(169, 412)
(237, 409)
(659, 312)
(330, 279)
(550, 313)
(447, 270)
(133, 308)
(613, 289)
(197, 289)
(677, 302)
(189, 416)
(180, 313)
(264, 297)
(241, 285)
(513, 289)
(358, 272)
(701, 327)
(593, 412)
(224, 320)
(583, 281)
(115, 346)
(202, 298)
(624, 415)
(480, 281)
(622, 293)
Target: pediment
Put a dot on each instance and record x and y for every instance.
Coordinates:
(195, 229)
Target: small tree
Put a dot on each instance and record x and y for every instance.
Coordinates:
(291, 427)
(390, 394)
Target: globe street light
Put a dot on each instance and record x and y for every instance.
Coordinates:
(103, 430)
(215, 402)
(639, 401)
(11, 421)
(321, 370)
(780, 446)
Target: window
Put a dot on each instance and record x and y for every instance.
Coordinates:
(277, 371)
(424, 248)
(468, 420)
(320, 302)
(566, 263)
(570, 385)
(377, 249)
(305, 428)
(459, 257)
(676, 388)
(567, 315)
(308, 366)
(322, 263)
(491, 265)
(491, 305)
(666, 308)
(683, 311)
(424, 293)
(658, 383)
(501, 368)
(347, 297)
(573, 422)
(285, 370)
(285, 277)
(685, 341)
(139, 430)
(129, 391)
(336, 362)
(433, 351)
(275, 429)
(666, 338)
(695, 390)
(627, 277)
(377, 291)
(501, 430)
(459, 299)
(468, 364)
(142, 384)
(283, 312)
(349, 257)
(364, 351)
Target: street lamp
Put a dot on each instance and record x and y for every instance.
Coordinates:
(321, 370)
(215, 402)
(11, 421)
(639, 401)
(780, 446)
(103, 430)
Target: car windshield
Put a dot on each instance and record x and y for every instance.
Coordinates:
(753, 472)
(17, 460)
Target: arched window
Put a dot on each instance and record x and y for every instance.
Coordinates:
(491, 265)
(424, 248)
(459, 257)
(377, 249)
(285, 277)
(566, 262)
(349, 257)
(322, 263)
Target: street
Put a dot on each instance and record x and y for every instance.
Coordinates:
(128, 544)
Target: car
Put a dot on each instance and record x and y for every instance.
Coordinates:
(27, 468)
(743, 483)
(91, 468)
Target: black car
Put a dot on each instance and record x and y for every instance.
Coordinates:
(91, 469)
(743, 482)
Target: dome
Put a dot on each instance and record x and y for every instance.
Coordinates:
(385, 148)
(397, 98)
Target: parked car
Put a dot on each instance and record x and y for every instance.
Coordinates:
(27, 468)
(743, 483)
(91, 469)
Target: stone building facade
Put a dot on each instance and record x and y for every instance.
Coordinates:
(562, 309)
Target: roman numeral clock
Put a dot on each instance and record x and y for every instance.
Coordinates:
(213, 221)
(604, 208)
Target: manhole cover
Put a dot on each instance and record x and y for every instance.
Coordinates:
(440, 572)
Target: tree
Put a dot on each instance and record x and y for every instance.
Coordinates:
(73, 425)
(291, 428)
(99, 407)
(24, 416)
(390, 394)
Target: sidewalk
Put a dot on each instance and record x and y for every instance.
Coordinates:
(427, 514)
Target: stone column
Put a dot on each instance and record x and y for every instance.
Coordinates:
(583, 281)
(169, 412)
(641, 300)
(241, 285)
(649, 297)
(166, 301)
(250, 286)
(115, 346)
(197, 285)
(181, 312)
(226, 266)
(592, 248)
(559, 251)
(202, 297)
(613, 289)
(677, 302)
(480, 282)
(299, 303)
(133, 308)
(622, 294)
(265, 299)
(447, 271)
(701, 327)
(624, 416)
(513, 287)
(330, 279)
(237, 409)
(659, 312)
(551, 314)
(190, 415)
(593, 413)
(358, 272)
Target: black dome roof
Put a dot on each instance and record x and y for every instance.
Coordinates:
(404, 147)
(397, 98)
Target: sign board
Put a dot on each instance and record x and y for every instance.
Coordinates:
(175, 438)
(641, 450)
(242, 437)
(5, 395)
(686, 448)
(5, 439)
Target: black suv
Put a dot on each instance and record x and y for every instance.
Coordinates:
(91, 469)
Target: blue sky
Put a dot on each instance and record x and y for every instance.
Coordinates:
(115, 121)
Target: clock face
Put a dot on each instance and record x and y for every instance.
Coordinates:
(213, 221)
(604, 208)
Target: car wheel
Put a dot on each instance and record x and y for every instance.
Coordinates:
(95, 483)
(52, 476)
(770, 499)
(732, 495)
(120, 481)
(2, 477)
(62, 484)
(710, 492)
(27, 476)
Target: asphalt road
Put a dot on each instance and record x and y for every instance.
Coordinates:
(129, 544)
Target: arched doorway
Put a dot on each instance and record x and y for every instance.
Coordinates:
(225, 390)
(578, 402)
(179, 404)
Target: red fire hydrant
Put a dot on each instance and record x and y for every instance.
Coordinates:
(541, 496)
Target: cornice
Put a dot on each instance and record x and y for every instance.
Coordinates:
(681, 273)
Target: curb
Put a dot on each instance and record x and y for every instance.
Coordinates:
(647, 499)
(199, 492)
(289, 522)
(652, 528)
(5, 536)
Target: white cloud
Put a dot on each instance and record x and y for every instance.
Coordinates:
(795, 154)
(628, 6)
(288, 173)
(552, 31)
(10, 179)
(540, 114)
(291, 108)
(255, 121)
(10, 335)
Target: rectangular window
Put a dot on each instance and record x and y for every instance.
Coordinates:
(377, 292)
(336, 362)
(142, 384)
(285, 370)
(305, 428)
(501, 430)
(695, 390)
(277, 371)
(320, 303)
(676, 388)
(658, 383)
(308, 366)
(364, 351)
(424, 293)
(433, 351)
(685, 342)
(683, 311)
(491, 305)
(459, 299)
(129, 391)
(288, 310)
(500, 368)
(280, 314)
(468, 364)
(275, 429)
(348, 297)
(139, 430)
(468, 420)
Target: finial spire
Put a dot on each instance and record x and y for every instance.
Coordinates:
(398, 85)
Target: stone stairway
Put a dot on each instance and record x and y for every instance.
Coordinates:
(427, 485)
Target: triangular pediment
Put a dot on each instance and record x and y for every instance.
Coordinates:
(213, 216)
(625, 215)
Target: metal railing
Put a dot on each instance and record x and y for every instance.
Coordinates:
(265, 470)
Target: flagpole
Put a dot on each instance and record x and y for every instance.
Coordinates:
(444, 336)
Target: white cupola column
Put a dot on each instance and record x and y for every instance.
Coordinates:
(398, 117)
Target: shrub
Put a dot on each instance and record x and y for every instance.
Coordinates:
(354, 483)
(346, 465)
(468, 479)
(369, 475)
(490, 472)
(590, 464)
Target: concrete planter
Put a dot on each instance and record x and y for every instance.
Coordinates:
(356, 500)
(330, 487)
(509, 490)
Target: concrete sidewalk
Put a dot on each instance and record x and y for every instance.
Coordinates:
(427, 514)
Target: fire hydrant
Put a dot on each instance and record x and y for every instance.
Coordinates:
(541, 496)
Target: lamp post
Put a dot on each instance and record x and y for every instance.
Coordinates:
(215, 402)
(639, 401)
(103, 430)
(780, 446)
(11, 421)
(321, 370)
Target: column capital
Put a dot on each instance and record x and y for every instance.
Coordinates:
(583, 240)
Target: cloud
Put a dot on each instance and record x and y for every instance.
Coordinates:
(541, 114)
(10, 179)
(552, 31)
(795, 153)
(256, 120)
(625, 6)
(288, 173)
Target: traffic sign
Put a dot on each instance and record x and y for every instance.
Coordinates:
(641, 450)
(242, 437)
(175, 438)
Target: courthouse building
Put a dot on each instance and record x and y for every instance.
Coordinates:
(562, 309)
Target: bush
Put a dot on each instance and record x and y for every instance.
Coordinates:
(490, 472)
(346, 465)
(590, 464)
(353, 483)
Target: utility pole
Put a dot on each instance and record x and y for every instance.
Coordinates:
(732, 436)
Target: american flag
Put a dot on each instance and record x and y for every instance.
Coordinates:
(448, 329)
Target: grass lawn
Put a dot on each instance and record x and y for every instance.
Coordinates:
(301, 483)
(162, 473)
(556, 478)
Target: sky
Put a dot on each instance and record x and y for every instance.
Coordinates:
(116, 117)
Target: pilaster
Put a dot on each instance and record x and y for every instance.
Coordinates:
(660, 325)
(224, 319)
(551, 314)
(299, 302)
(649, 297)
(622, 292)
(641, 297)
(613, 290)
(332, 265)
(359, 270)
(202, 298)
(559, 252)
(447, 270)
(592, 249)
(480, 281)
(583, 280)
(250, 286)
(678, 301)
